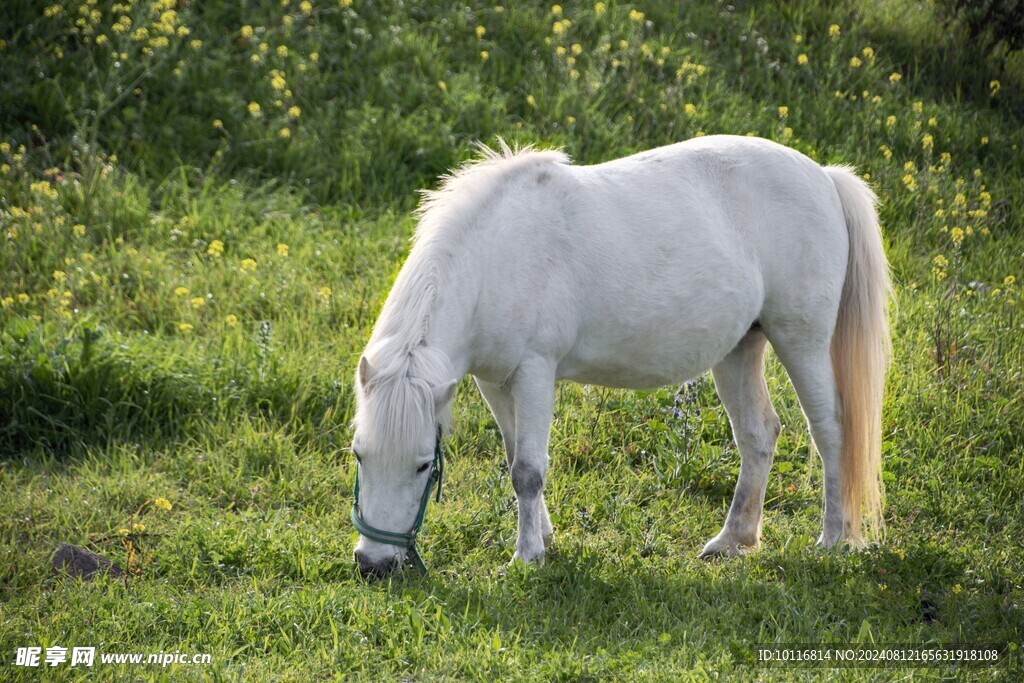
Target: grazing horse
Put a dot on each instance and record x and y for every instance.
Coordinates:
(634, 273)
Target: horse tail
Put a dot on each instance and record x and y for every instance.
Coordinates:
(861, 349)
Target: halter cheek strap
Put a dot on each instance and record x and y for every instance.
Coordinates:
(406, 540)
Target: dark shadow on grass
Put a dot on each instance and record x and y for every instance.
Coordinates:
(585, 603)
(951, 69)
(69, 396)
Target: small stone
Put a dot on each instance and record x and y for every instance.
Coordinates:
(83, 563)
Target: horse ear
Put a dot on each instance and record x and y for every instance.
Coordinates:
(366, 371)
(443, 394)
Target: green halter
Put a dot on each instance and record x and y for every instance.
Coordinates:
(407, 540)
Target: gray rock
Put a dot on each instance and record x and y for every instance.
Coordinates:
(84, 563)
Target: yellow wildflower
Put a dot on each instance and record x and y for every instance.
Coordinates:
(833, 31)
(783, 112)
(895, 77)
(218, 124)
(957, 235)
(78, 230)
(484, 55)
(138, 527)
(556, 10)
(284, 133)
(1009, 280)
(993, 87)
(636, 15)
(44, 188)
(480, 31)
(185, 328)
(689, 109)
(255, 110)
(531, 100)
(162, 503)
(801, 59)
(231, 319)
(306, 7)
(868, 53)
(927, 142)
(197, 302)
(282, 250)
(599, 8)
(248, 264)
(216, 248)
(324, 293)
(180, 291)
(855, 62)
(282, 50)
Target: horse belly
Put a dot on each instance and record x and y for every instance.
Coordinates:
(641, 347)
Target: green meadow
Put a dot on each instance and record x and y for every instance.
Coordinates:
(203, 206)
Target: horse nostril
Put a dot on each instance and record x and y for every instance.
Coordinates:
(374, 570)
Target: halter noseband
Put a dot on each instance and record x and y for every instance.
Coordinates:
(407, 540)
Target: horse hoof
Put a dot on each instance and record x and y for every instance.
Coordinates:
(720, 546)
(536, 559)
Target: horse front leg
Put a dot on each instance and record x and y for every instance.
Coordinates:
(533, 397)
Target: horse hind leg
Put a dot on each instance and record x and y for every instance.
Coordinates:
(739, 379)
(809, 365)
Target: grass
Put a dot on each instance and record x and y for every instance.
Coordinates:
(186, 290)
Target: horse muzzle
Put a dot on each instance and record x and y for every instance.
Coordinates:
(375, 569)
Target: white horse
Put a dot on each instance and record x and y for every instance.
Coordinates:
(634, 273)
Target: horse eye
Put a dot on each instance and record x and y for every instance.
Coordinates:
(422, 468)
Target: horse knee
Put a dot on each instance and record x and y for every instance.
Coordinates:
(527, 479)
(774, 425)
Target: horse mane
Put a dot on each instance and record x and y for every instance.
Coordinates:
(397, 403)
(466, 191)
(447, 216)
